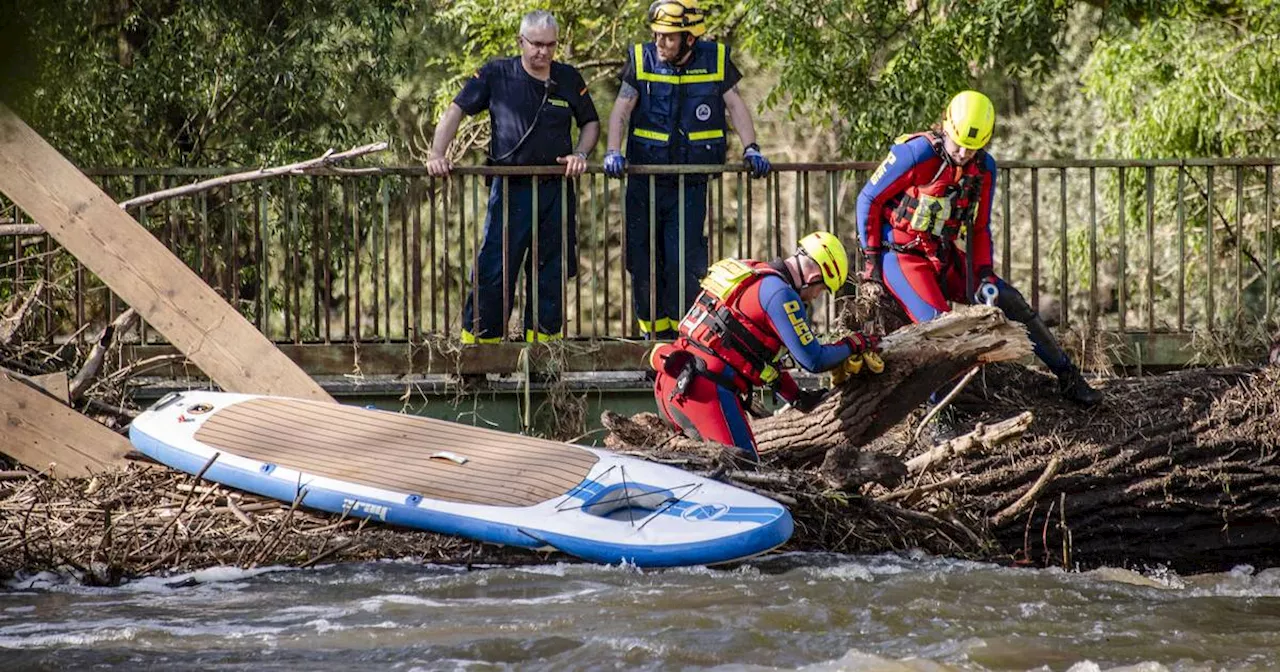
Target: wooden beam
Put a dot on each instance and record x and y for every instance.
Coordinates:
(393, 359)
(57, 385)
(137, 267)
(38, 431)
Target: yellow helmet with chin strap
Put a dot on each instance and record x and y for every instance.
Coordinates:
(828, 252)
(677, 16)
(970, 119)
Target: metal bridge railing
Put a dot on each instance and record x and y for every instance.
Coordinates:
(386, 254)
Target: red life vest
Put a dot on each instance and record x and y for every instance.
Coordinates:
(931, 213)
(716, 324)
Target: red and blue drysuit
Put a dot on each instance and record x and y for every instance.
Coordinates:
(731, 341)
(910, 212)
(909, 215)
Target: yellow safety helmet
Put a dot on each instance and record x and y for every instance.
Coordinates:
(676, 16)
(828, 252)
(969, 120)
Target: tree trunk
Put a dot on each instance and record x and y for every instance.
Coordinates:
(918, 360)
(1178, 470)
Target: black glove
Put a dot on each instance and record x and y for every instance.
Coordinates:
(808, 400)
(874, 268)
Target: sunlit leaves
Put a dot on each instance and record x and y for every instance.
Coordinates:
(1205, 82)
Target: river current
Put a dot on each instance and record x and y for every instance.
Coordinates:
(812, 612)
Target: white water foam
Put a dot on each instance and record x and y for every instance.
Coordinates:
(221, 578)
(84, 633)
(848, 572)
(628, 644)
(376, 603)
(1090, 666)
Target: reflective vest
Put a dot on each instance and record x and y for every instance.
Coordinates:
(936, 211)
(680, 116)
(717, 326)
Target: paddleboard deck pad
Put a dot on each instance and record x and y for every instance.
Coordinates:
(457, 479)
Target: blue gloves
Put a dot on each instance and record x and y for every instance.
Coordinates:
(756, 163)
(614, 163)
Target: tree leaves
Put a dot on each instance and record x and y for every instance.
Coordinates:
(187, 82)
(1204, 82)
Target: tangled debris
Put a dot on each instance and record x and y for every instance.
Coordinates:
(147, 518)
(1178, 469)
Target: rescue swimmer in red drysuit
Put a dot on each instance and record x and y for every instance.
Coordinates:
(930, 187)
(733, 337)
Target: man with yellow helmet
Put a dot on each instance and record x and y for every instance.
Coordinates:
(930, 187)
(671, 109)
(731, 340)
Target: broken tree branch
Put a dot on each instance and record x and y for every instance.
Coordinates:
(321, 163)
(1025, 500)
(300, 168)
(10, 229)
(983, 436)
(9, 324)
(918, 360)
(89, 372)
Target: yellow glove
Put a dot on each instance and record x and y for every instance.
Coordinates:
(852, 366)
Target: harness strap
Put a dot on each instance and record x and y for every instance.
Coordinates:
(737, 336)
(717, 377)
(912, 248)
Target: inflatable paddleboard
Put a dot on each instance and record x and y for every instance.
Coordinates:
(457, 479)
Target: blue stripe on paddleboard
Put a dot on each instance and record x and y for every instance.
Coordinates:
(590, 490)
(774, 530)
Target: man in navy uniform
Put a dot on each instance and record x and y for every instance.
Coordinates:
(676, 92)
(532, 101)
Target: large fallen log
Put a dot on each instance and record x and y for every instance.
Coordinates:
(1179, 470)
(918, 360)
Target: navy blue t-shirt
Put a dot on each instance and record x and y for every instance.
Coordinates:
(512, 97)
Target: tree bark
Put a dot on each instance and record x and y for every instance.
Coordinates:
(1180, 470)
(918, 360)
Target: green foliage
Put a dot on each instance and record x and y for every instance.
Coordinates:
(593, 37)
(212, 82)
(151, 82)
(1202, 82)
(888, 67)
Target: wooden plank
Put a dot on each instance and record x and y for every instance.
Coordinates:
(137, 267)
(56, 384)
(338, 359)
(38, 431)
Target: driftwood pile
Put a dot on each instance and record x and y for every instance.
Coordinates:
(1178, 469)
(148, 518)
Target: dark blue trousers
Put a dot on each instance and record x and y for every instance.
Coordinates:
(486, 321)
(661, 267)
